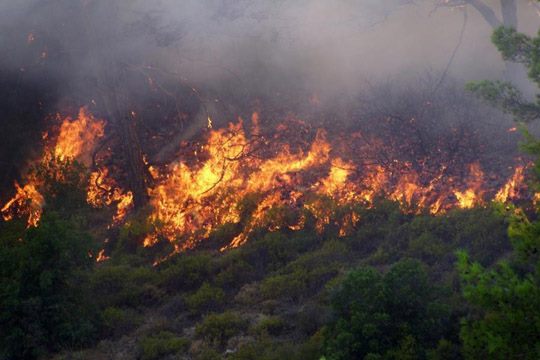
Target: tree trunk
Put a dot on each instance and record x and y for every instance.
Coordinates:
(132, 155)
(513, 71)
(487, 13)
(136, 169)
(509, 13)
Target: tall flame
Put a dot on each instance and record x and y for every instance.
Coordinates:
(190, 201)
(229, 180)
(76, 139)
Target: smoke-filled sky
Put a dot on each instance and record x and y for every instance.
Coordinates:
(324, 46)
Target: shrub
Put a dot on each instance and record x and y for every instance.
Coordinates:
(218, 328)
(386, 316)
(207, 298)
(272, 325)
(164, 343)
(300, 283)
(124, 286)
(118, 322)
(266, 349)
(207, 353)
(234, 272)
(44, 299)
(185, 271)
(288, 285)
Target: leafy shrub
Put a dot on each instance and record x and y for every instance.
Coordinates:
(118, 322)
(124, 286)
(386, 316)
(207, 353)
(234, 270)
(218, 328)
(185, 271)
(271, 251)
(266, 349)
(44, 299)
(207, 298)
(298, 284)
(164, 343)
(272, 325)
(131, 234)
(287, 285)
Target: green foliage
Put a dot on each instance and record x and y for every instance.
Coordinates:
(504, 322)
(206, 299)
(218, 328)
(506, 319)
(156, 346)
(266, 349)
(297, 284)
(117, 322)
(382, 316)
(131, 235)
(185, 272)
(124, 286)
(234, 271)
(43, 298)
(482, 231)
(521, 48)
(272, 325)
(506, 97)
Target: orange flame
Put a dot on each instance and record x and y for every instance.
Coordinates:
(76, 140)
(190, 201)
(510, 190)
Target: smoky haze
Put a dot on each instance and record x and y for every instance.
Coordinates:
(327, 47)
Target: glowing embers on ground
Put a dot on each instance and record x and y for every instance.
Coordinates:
(74, 140)
(286, 187)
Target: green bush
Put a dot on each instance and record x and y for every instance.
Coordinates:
(207, 298)
(131, 234)
(272, 325)
(390, 316)
(44, 299)
(218, 328)
(124, 286)
(300, 283)
(117, 322)
(266, 349)
(290, 286)
(234, 270)
(185, 271)
(164, 343)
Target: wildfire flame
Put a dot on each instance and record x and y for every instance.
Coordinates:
(510, 190)
(192, 200)
(76, 139)
(228, 180)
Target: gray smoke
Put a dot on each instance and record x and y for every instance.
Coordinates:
(327, 47)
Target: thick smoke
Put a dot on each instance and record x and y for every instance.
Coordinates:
(157, 71)
(328, 47)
